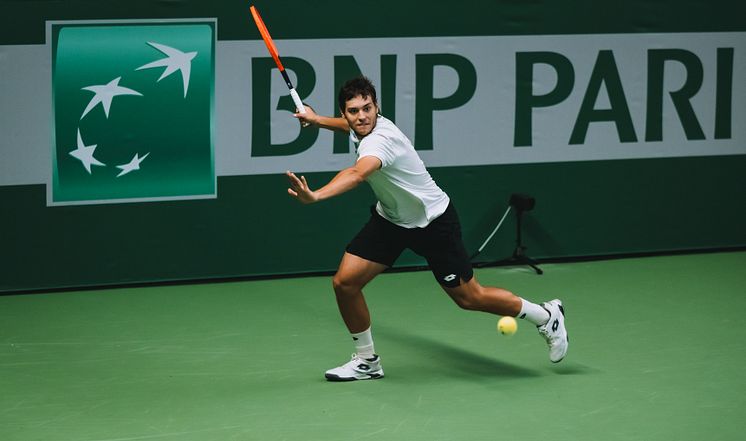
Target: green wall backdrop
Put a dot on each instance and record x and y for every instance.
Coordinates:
(584, 208)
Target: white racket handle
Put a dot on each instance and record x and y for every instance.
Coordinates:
(297, 101)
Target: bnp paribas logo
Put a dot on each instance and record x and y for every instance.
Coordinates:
(133, 106)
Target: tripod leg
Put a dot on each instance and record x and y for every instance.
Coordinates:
(533, 264)
(525, 260)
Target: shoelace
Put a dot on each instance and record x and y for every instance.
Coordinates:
(356, 359)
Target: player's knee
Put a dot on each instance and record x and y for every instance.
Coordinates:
(471, 302)
(466, 297)
(464, 302)
(344, 285)
(467, 303)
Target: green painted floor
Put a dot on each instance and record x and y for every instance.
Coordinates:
(657, 353)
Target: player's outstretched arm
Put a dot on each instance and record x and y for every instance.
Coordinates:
(325, 122)
(344, 181)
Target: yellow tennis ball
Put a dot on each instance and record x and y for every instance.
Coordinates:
(507, 326)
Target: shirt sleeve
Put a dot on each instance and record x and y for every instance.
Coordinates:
(378, 146)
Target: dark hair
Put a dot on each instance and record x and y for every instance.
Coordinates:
(358, 86)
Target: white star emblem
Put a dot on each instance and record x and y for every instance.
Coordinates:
(105, 93)
(133, 165)
(84, 153)
(175, 60)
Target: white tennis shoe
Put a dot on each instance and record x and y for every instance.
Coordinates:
(357, 369)
(554, 331)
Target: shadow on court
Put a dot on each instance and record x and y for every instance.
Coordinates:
(573, 369)
(436, 358)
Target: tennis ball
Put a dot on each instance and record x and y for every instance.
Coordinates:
(507, 326)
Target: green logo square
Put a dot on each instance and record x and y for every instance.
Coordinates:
(133, 112)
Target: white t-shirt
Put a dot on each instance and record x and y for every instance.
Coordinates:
(407, 194)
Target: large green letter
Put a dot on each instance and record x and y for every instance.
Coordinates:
(261, 71)
(694, 74)
(525, 100)
(388, 87)
(724, 93)
(604, 72)
(426, 103)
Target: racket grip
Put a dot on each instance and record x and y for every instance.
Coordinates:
(297, 101)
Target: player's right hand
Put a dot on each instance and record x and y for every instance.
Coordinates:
(308, 118)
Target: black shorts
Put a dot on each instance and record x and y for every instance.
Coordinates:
(439, 243)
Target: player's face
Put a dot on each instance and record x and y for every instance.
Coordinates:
(361, 114)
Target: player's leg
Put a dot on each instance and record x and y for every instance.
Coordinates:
(549, 317)
(442, 246)
(471, 295)
(373, 249)
(353, 274)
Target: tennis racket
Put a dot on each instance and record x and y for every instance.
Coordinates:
(276, 55)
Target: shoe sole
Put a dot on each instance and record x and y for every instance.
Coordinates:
(567, 334)
(335, 378)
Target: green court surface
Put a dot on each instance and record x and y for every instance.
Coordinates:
(657, 349)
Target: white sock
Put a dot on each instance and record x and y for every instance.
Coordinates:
(364, 344)
(533, 313)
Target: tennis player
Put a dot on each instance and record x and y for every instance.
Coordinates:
(411, 212)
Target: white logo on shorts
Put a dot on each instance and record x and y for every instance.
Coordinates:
(449, 277)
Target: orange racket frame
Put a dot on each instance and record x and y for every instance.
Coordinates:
(276, 55)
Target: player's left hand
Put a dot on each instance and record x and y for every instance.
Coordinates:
(299, 189)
